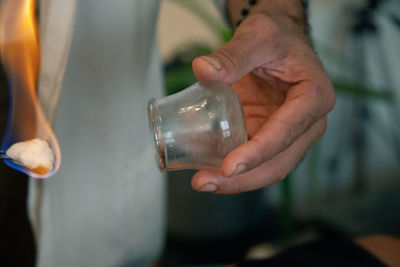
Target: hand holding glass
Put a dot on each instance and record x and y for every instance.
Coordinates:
(197, 127)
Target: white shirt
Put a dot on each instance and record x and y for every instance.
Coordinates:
(106, 204)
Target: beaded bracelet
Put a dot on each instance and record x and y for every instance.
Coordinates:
(245, 11)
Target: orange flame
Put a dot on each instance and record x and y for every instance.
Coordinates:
(19, 51)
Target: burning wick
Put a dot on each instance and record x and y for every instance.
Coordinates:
(38, 153)
(35, 154)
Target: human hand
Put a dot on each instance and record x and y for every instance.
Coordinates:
(285, 94)
(383, 247)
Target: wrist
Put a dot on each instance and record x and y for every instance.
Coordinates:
(289, 13)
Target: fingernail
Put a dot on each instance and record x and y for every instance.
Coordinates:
(208, 188)
(213, 62)
(239, 169)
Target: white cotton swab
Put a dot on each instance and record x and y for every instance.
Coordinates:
(35, 154)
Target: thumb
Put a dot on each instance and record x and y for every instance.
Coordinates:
(242, 54)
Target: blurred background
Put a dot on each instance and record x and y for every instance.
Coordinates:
(349, 183)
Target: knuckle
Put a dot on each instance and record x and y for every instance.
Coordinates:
(237, 188)
(231, 188)
(280, 175)
(315, 91)
(291, 132)
(325, 94)
(230, 55)
(317, 95)
(256, 155)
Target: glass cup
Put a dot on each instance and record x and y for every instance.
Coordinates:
(197, 127)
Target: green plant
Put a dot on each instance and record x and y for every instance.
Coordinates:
(178, 70)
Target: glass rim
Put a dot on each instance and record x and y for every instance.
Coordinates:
(156, 130)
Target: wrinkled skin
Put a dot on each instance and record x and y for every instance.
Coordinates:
(286, 96)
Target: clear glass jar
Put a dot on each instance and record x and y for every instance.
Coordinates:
(197, 127)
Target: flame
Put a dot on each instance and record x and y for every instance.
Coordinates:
(19, 52)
